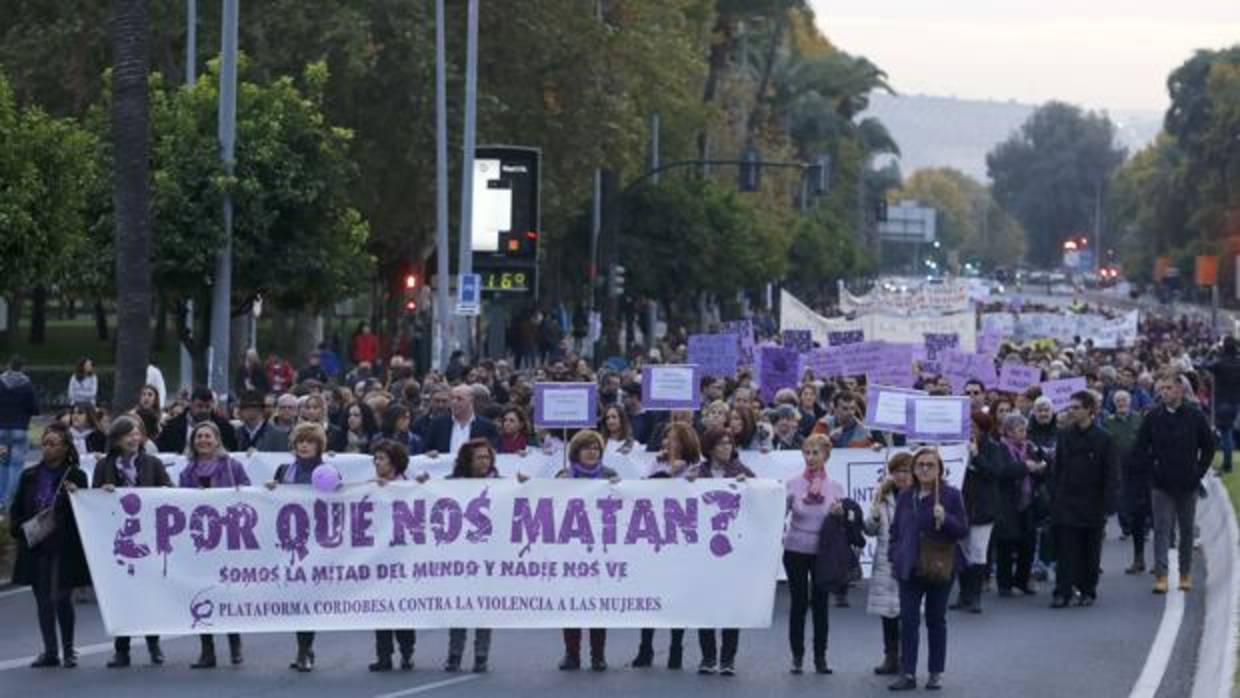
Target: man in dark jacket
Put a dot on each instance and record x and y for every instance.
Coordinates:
(1226, 372)
(1084, 482)
(1176, 443)
(446, 434)
(17, 406)
(201, 409)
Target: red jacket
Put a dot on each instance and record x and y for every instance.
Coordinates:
(365, 348)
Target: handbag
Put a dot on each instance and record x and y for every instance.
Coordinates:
(936, 559)
(37, 528)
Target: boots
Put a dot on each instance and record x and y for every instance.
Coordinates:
(119, 660)
(1138, 556)
(153, 649)
(234, 648)
(675, 656)
(976, 576)
(206, 658)
(889, 667)
(645, 651)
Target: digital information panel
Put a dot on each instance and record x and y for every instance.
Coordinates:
(505, 230)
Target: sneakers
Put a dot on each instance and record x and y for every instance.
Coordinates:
(934, 683)
(1160, 584)
(1137, 567)
(453, 664)
(382, 664)
(706, 667)
(904, 683)
(1186, 582)
(796, 666)
(726, 669)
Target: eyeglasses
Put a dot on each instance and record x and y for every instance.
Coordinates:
(925, 464)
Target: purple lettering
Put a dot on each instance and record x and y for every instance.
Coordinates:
(169, 521)
(407, 520)
(610, 507)
(242, 518)
(446, 520)
(476, 515)
(293, 531)
(205, 528)
(643, 524)
(576, 523)
(533, 526)
(682, 518)
(328, 523)
(360, 514)
(729, 506)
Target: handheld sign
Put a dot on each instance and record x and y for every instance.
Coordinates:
(938, 419)
(1060, 391)
(565, 405)
(777, 368)
(886, 409)
(670, 387)
(1017, 378)
(801, 340)
(716, 355)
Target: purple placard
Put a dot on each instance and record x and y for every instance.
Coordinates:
(989, 342)
(671, 387)
(744, 330)
(715, 354)
(778, 368)
(1060, 391)
(565, 405)
(818, 361)
(937, 342)
(801, 340)
(959, 367)
(843, 337)
(938, 419)
(855, 359)
(886, 408)
(894, 366)
(1017, 378)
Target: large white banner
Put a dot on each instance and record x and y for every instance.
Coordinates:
(448, 553)
(1065, 327)
(795, 315)
(925, 298)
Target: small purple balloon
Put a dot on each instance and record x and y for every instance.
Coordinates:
(325, 478)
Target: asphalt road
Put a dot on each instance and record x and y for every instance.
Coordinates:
(1017, 647)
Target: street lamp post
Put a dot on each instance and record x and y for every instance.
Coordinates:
(221, 292)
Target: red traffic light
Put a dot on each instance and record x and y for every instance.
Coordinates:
(411, 281)
(411, 305)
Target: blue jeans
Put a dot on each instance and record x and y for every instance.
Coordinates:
(911, 594)
(16, 442)
(1225, 420)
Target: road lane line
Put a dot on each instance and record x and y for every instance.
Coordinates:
(427, 687)
(1164, 640)
(24, 662)
(14, 592)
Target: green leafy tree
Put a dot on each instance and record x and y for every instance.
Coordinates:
(969, 220)
(1051, 175)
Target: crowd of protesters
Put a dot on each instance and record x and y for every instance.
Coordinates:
(1037, 494)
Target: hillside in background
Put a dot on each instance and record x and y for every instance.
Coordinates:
(950, 132)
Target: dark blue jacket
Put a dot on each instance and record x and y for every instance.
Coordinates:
(17, 400)
(909, 523)
(439, 433)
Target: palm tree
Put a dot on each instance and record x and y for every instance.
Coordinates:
(131, 55)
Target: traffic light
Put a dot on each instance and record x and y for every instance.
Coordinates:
(409, 293)
(615, 281)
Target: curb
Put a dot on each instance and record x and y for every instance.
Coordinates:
(1220, 536)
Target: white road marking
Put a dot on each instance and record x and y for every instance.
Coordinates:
(86, 651)
(427, 687)
(1164, 640)
(14, 592)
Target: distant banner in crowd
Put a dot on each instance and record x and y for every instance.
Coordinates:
(795, 315)
(459, 553)
(921, 299)
(1065, 327)
(717, 355)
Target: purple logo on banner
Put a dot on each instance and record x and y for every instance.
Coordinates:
(565, 405)
(937, 342)
(1060, 391)
(715, 354)
(778, 368)
(801, 340)
(1017, 378)
(839, 339)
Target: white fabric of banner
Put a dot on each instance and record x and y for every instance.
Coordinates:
(795, 315)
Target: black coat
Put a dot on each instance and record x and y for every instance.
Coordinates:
(980, 489)
(172, 437)
(151, 472)
(1177, 447)
(439, 433)
(66, 542)
(836, 540)
(1012, 524)
(1226, 372)
(1084, 478)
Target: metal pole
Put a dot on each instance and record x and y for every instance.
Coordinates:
(1098, 261)
(191, 77)
(221, 292)
(465, 265)
(654, 148)
(443, 314)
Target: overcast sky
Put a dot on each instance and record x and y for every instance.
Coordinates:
(1113, 54)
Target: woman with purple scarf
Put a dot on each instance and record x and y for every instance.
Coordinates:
(585, 462)
(208, 466)
(309, 442)
(1019, 472)
(56, 565)
(391, 461)
(127, 465)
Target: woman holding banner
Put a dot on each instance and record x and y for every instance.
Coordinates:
(209, 466)
(56, 564)
(309, 442)
(585, 462)
(391, 461)
(127, 465)
(475, 459)
(884, 592)
(929, 523)
(811, 498)
(719, 460)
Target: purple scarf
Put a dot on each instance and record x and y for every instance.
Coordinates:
(48, 483)
(1021, 454)
(127, 470)
(580, 471)
(208, 470)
